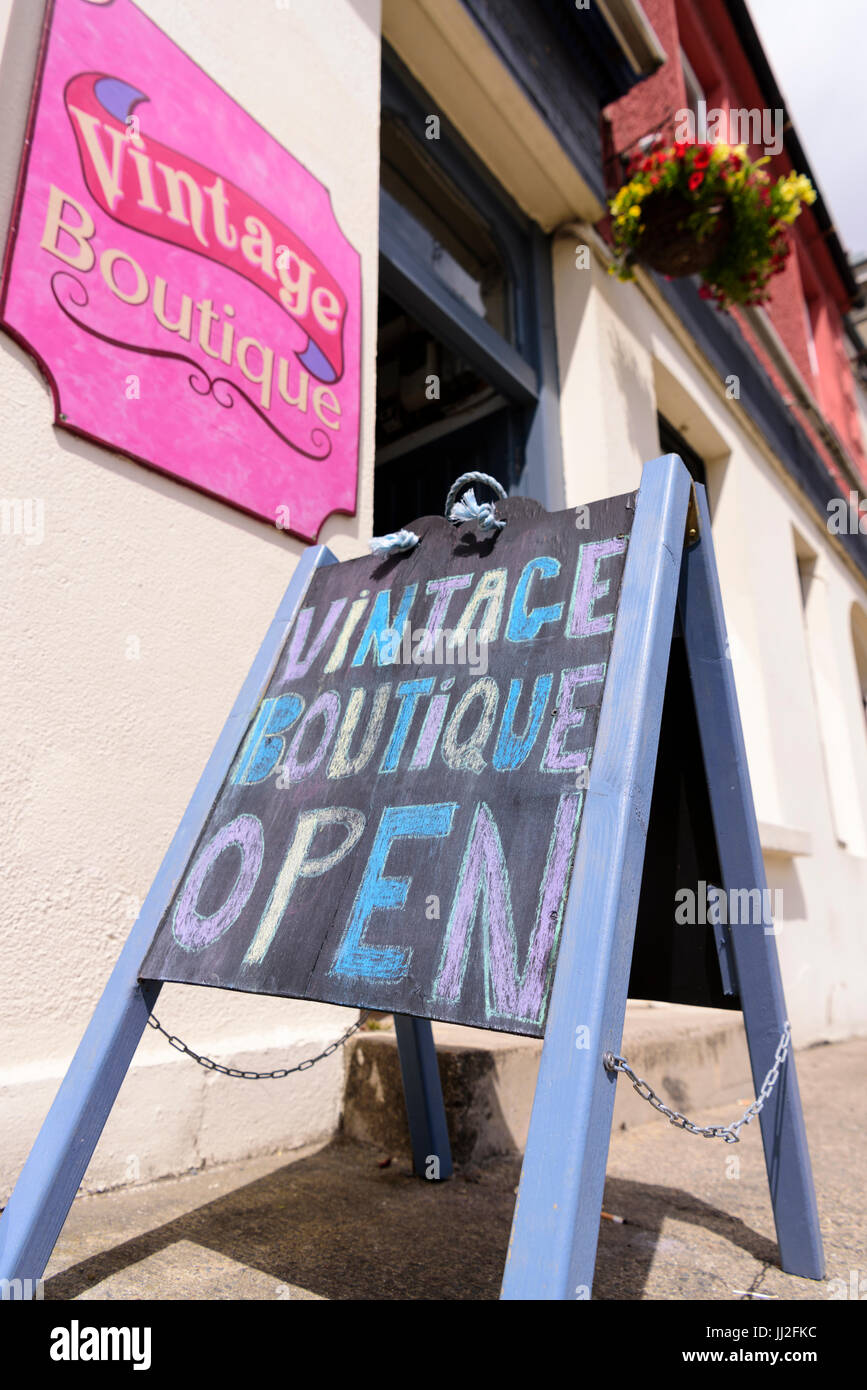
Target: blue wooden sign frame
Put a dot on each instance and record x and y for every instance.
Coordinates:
(670, 565)
(555, 1230)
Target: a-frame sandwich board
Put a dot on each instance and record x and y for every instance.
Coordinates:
(39, 1204)
(670, 568)
(669, 563)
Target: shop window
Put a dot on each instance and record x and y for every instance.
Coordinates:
(671, 441)
(451, 238)
(859, 644)
(466, 361)
(843, 763)
(424, 439)
(806, 573)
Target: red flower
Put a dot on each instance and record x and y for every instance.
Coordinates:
(695, 181)
(701, 158)
(680, 148)
(704, 292)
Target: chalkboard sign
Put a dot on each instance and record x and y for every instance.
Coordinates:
(399, 826)
(439, 780)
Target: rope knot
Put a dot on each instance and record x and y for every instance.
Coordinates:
(394, 542)
(482, 513)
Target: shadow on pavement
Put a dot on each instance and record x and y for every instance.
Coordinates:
(342, 1227)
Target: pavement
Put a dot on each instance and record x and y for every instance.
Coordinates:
(348, 1221)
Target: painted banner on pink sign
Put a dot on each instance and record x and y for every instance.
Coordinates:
(181, 278)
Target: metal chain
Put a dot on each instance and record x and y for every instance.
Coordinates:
(729, 1133)
(211, 1065)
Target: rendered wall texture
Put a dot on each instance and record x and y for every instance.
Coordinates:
(130, 628)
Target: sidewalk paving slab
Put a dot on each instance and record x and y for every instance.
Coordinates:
(348, 1221)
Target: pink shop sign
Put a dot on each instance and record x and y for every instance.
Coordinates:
(180, 277)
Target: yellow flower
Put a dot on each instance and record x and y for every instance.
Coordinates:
(635, 210)
(803, 188)
(795, 189)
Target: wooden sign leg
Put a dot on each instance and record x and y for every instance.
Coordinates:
(38, 1207)
(552, 1251)
(431, 1153)
(753, 946)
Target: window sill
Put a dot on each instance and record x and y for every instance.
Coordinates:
(784, 841)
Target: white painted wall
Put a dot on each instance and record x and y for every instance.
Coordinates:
(620, 362)
(102, 752)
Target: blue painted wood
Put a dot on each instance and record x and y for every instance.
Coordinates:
(754, 949)
(556, 1224)
(724, 956)
(57, 1162)
(422, 1091)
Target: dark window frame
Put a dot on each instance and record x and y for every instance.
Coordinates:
(524, 371)
(671, 441)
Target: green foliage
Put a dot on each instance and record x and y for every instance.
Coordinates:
(710, 177)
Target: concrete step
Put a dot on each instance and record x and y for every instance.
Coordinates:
(694, 1058)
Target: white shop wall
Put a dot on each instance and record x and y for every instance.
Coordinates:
(130, 629)
(620, 362)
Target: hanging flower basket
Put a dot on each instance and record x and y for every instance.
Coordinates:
(668, 244)
(700, 209)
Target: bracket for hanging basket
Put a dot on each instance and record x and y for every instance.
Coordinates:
(669, 246)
